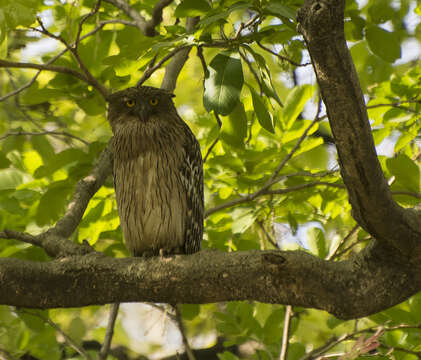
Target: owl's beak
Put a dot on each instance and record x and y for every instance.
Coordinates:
(142, 113)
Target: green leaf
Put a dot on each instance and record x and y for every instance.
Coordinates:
(317, 242)
(52, 204)
(77, 329)
(234, 127)
(293, 224)
(3, 43)
(280, 9)
(18, 12)
(262, 113)
(43, 147)
(295, 102)
(11, 205)
(383, 43)
(333, 322)
(92, 104)
(226, 355)
(404, 139)
(296, 351)
(35, 95)
(272, 331)
(132, 43)
(190, 311)
(406, 171)
(242, 218)
(191, 8)
(4, 161)
(59, 161)
(34, 319)
(10, 179)
(314, 156)
(223, 86)
(216, 16)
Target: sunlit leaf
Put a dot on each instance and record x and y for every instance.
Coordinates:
(223, 86)
(406, 171)
(234, 127)
(192, 8)
(295, 102)
(383, 43)
(261, 111)
(317, 242)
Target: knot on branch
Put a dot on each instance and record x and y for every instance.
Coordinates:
(320, 19)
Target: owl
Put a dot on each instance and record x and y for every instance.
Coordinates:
(158, 173)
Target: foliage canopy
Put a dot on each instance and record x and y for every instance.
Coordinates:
(272, 180)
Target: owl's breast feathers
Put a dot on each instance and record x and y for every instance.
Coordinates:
(158, 180)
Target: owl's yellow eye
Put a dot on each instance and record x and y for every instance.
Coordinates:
(130, 103)
(153, 101)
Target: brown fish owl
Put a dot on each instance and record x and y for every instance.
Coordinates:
(158, 173)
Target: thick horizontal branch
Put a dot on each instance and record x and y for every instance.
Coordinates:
(347, 289)
(322, 24)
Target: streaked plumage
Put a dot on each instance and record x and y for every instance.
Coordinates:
(158, 173)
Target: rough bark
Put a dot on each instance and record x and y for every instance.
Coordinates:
(386, 273)
(322, 24)
(364, 285)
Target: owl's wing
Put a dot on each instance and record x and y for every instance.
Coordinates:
(191, 171)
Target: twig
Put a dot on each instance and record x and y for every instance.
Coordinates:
(110, 332)
(285, 333)
(408, 193)
(397, 105)
(163, 309)
(82, 21)
(264, 192)
(268, 237)
(66, 337)
(210, 149)
(53, 59)
(147, 27)
(148, 73)
(401, 349)
(21, 236)
(350, 246)
(180, 324)
(73, 49)
(56, 133)
(332, 342)
(54, 245)
(297, 144)
(342, 242)
(156, 16)
(283, 58)
(20, 89)
(84, 190)
(173, 69)
(250, 66)
(203, 62)
(46, 67)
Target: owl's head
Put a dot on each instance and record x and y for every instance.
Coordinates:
(139, 103)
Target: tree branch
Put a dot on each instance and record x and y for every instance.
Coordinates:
(46, 132)
(55, 68)
(174, 67)
(322, 25)
(85, 189)
(346, 289)
(147, 27)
